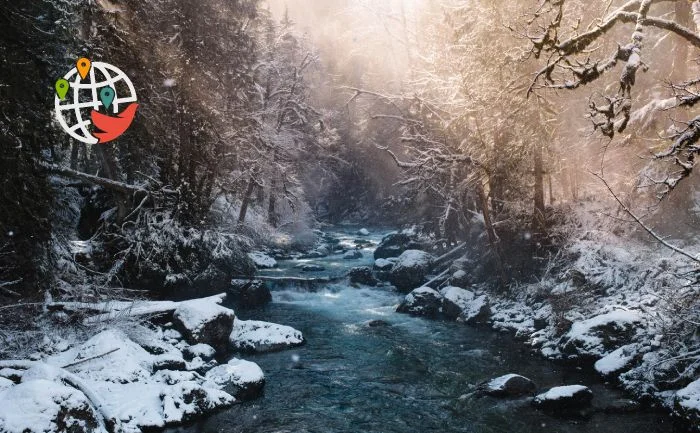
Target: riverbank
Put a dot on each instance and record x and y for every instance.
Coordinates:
(607, 301)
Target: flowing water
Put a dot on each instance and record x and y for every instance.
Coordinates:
(414, 375)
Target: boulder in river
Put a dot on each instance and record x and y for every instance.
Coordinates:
(410, 269)
(203, 321)
(250, 293)
(423, 301)
(464, 305)
(242, 379)
(257, 336)
(362, 275)
(382, 267)
(363, 232)
(378, 323)
(352, 255)
(564, 398)
(509, 385)
(392, 245)
(311, 268)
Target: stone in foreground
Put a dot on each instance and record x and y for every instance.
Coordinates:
(564, 398)
(242, 379)
(509, 385)
(45, 406)
(203, 321)
(256, 336)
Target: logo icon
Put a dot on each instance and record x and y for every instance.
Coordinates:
(89, 99)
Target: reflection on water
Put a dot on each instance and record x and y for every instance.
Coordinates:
(412, 376)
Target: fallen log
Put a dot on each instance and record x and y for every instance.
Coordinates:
(453, 253)
(103, 311)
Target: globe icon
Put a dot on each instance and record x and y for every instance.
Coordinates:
(74, 111)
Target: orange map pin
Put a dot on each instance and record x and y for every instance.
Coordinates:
(83, 67)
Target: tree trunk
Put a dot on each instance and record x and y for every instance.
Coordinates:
(538, 219)
(491, 233)
(246, 200)
(108, 164)
(272, 204)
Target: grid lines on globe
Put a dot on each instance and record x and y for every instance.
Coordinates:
(74, 113)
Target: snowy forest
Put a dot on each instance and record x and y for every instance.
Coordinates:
(350, 216)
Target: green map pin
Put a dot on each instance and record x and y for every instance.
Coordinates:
(62, 86)
(107, 96)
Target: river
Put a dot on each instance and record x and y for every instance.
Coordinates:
(414, 375)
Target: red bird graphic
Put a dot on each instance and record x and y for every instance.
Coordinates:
(113, 127)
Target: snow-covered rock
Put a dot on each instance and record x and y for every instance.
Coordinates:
(362, 275)
(250, 293)
(41, 405)
(258, 336)
(460, 278)
(201, 350)
(363, 232)
(311, 268)
(262, 260)
(352, 255)
(382, 267)
(410, 269)
(123, 375)
(618, 360)
(383, 264)
(243, 379)
(687, 402)
(464, 305)
(564, 398)
(509, 385)
(422, 301)
(392, 245)
(600, 334)
(204, 321)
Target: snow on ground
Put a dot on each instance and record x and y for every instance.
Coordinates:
(135, 387)
(134, 376)
(610, 301)
(258, 336)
